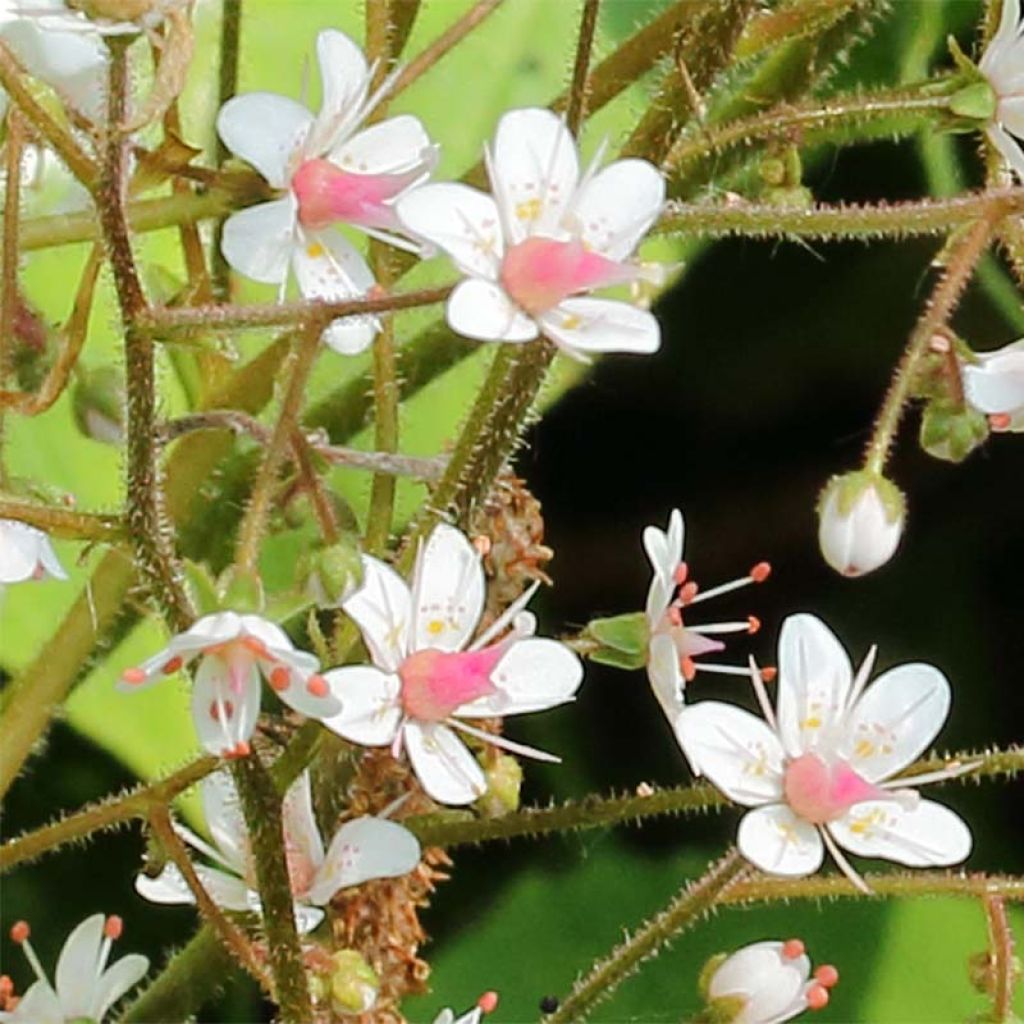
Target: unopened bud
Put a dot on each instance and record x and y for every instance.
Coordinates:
(860, 522)
(354, 984)
(952, 432)
(504, 777)
(241, 590)
(335, 573)
(97, 401)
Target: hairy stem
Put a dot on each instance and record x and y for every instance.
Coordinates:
(1002, 963)
(62, 522)
(576, 110)
(227, 86)
(692, 902)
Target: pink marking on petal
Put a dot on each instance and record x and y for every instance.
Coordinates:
(327, 194)
(819, 792)
(435, 683)
(539, 273)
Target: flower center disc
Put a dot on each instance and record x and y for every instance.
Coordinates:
(819, 792)
(435, 683)
(327, 194)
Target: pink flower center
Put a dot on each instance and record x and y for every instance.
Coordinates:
(820, 792)
(435, 683)
(539, 273)
(327, 194)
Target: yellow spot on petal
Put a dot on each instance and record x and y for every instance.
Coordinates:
(864, 748)
(435, 626)
(814, 722)
(571, 322)
(529, 209)
(314, 250)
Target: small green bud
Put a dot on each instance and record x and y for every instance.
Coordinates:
(976, 101)
(504, 777)
(334, 573)
(622, 640)
(97, 402)
(791, 197)
(773, 171)
(241, 590)
(354, 984)
(860, 521)
(951, 432)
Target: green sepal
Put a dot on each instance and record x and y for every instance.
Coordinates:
(335, 572)
(617, 659)
(976, 101)
(707, 972)
(202, 587)
(241, 590)
(626, 633)
(97, 403)
(952, 431)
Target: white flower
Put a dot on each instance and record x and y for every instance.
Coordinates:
(821, 774)
(235, 650)
(427, 675)
(1003, 65)
(995, 384)
(26, 554)
(86, 988)
(860, 522)
(362, 849)
(333, 174)
(543, 239)
(674, 645)
(770, 982)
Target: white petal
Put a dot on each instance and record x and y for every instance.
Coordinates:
(814, 682)
(344, 80)
(23, 550)
(601, 325)
(774, 839)
(39, 1005)
(265, 130)
(170, 887)
(665, 547)
(259, 240)
(735, 749)
(298, 696)
(362, 850)
(382, 609)
(996, 383)
(462, 221)
(307, 918)
(301, 833)
(659, 596)
(665, 675)
(771, 983)
(76, 967)
(388, 147)
(224, 717)
(928, 835)
(447, 770)
(116, 981)
(896, 719)
(1011, 150)
(370, 707)
(225, 821)
(615, 209)
(480, 309)
(534, 170)
(209, 631)
(533, 675)
(447, 591)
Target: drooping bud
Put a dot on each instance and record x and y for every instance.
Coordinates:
(97, 401)
(620, 641)
(335, 573)
(860, 521)
(952, 432)
(354, 983)
(504, 777)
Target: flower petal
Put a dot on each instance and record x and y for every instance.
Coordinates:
(39, 1005)
(665, 547)
(265, 130)
(814, 682)
(170, 887)
(462, 221)
(618, 205)
(388, 147)
(601, 325)
(771, 983)
(223, 715)
(370, 708)
(447, 770)
(116, 981)
(76, 967)
(19, 550)
(534, 170)
(225, 821)
(306, 918)
(299, 823)
(344, 80)
(533, 675)
(480, 309)
(327, 266)
(774, 839)
(896, 719)
(996, 383)
(362, 850)
(382, 609)
(447, 591)
(1009, 148)
(926, 835)
(258, 241)
(665, 675)
(735, 749)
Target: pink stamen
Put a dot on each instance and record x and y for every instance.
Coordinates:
(113, 927)
(688, 592)
(819, 792)
(279, 679)
(488, 1002)
(817, 997)
(20, 931)
(761, 572)
(317, 686)
(435, 683)
(827, 975)
(539, 273)
(172, 666)
(327, 194)
(1000, 421)
(680, 574)
(133, 676)
(675, 616)
(792, 949)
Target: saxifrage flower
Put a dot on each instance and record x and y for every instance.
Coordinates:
(429, 674)
(1003, 65)
(819, 772)
(543, 239)
(26, 554)
(994, 385)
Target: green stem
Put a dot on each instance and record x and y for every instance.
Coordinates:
(827, 223)
(959, 265)
(1003, 964)
(139, 803)
(261, 806)
(227, 86)
(692, 902)
(576, 110)
(9, 258)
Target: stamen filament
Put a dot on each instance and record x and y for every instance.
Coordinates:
(843, 864)
(951, 771)
(724, 670)
(37, 967)
(721, 627)
(505, 744)
(762, 694)
(863, 674)
(724, 588)
(505, 618)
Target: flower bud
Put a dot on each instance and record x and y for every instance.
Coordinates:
(241, 590)
(354, 984)
(504, 777)
(335, 573)
(97, 401)
(860, 521)
(951, 432)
